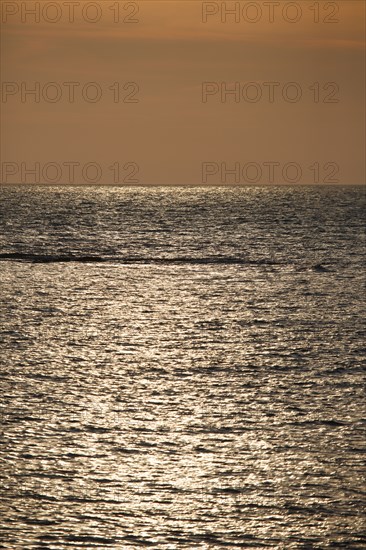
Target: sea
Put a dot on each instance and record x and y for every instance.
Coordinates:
(182, 367)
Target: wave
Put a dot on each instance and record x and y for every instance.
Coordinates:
(63, 258)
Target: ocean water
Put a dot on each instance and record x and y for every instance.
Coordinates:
(182, 368)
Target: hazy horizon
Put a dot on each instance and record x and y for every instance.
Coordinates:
(153, 92)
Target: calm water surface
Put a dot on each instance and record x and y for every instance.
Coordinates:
(182, 368)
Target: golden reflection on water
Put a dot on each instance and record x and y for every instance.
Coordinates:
(184, 405)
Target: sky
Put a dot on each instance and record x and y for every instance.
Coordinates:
(139, 92)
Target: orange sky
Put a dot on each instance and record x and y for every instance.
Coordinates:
(169, 53)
